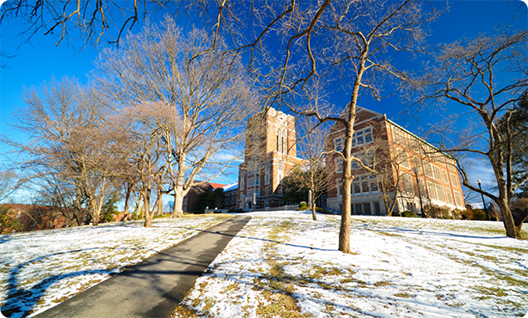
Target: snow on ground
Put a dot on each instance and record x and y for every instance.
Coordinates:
(283, 264)
(41, 269)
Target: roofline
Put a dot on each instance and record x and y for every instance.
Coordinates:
(423, 140)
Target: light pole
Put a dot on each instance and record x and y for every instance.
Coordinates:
(419, 193)
(483, 202)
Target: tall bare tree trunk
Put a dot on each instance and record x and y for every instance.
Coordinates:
(346, 212)
(127, 202)
(159, 204)
(509, 224)
(146, 208)
(314, 216)
(177, 209)
(346, 205)
(179, 193)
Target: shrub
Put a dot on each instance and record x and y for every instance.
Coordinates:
(408, 214)
(303, 205)
(479, 214)
(438, 212)
(8, 223)
(458, 214)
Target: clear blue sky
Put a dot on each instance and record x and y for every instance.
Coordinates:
(40, 60)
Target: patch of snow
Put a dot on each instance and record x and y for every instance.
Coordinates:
(41, 269)
(399, 267)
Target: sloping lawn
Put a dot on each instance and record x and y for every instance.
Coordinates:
(41, 269)
(283, 264)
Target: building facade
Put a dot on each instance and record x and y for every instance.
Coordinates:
(409, 172)
(192, 196)
(270, 154)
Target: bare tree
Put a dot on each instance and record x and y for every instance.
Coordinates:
(348, 41)
(312, 174)
(69, 142)
(196, 102)
(485, 76)
(88, 20)
(9, 183)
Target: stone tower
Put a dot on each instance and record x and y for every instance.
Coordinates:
(270, 155)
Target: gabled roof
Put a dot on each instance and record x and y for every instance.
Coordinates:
(216, 185)
(232, 186)
(360, 109)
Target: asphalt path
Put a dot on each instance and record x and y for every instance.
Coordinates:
(155, 286)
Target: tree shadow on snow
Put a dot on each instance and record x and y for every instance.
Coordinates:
(20, 301)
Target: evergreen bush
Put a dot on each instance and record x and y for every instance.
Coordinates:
(408, 214)
(479, 214)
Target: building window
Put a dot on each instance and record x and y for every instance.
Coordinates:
(267, 172)
(362, 137)
(251, 182)
(373, 183)
(403, 158)
(356, 185)
(449, 197)
(454, 180)
(278, 134)
(441, 193)
(421, 187)
(428, 170)
(339, 187)
(457, 198)
(366, 208)
(377, 208)
(368, 135)
(338, 164)
(415, 144)
(436, 172)
(355, 163)
(364, 184)
(400, 137)
(432, 190)
(417, 164)
(444, 174)
(339, 144)
(407, 184)
(358, 209)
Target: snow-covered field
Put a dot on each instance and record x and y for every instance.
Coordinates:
(41, 269)
(283, 264)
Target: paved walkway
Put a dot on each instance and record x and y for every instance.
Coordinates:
(153, 287)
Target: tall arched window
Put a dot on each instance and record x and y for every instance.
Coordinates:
(278, 138)
(284, 141)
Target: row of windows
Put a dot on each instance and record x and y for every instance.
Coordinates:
(433, 172)
(360, 184)
(282, 141)
(438, 192)
(367, 158)
(361, 137)
(366, 208)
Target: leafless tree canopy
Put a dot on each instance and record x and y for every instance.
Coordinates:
(192, 100)
(70, 20)
(8, 183)
(486, 76)
(69, 141)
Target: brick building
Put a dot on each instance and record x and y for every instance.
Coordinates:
(192, 196)
(230, 196)
(270, 154)
(408, 169)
